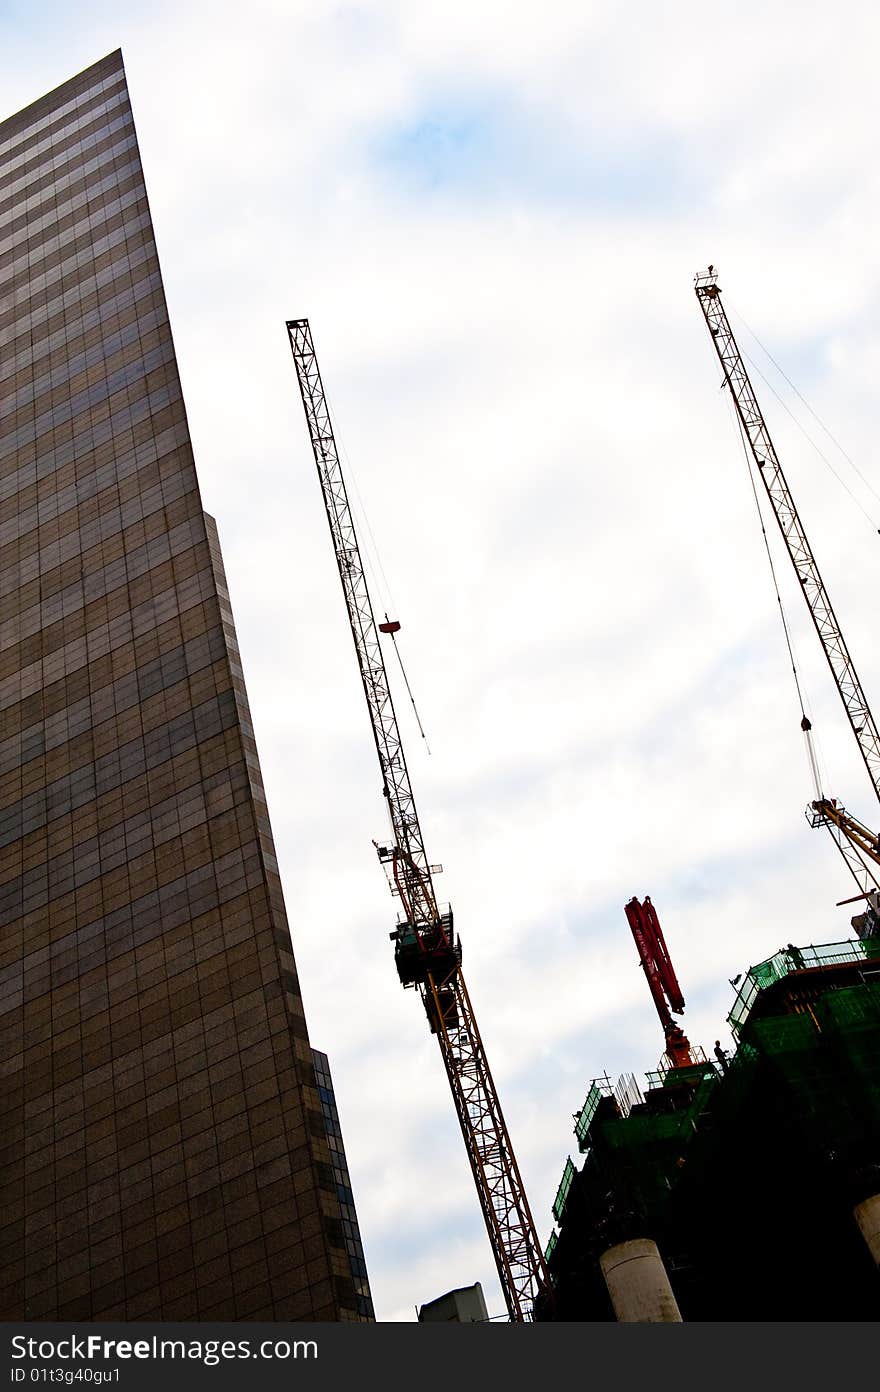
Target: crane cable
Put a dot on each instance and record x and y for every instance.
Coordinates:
(806, 723)
(408, 687)
(372, 554)
(370, 551)
(816, 417)
(806, 434)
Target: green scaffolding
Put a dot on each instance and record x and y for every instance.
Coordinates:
(791, 959)
(797, 1108)
(565, 1184)
(585, 1116)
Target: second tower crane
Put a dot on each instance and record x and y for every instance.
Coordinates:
(859, 847)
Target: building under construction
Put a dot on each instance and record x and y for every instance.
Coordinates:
(741, 1189)
(747, 1187)
(749, 1179)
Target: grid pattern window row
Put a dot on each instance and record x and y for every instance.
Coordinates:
(78, 233)
(69, 143)
(71, 580)
(59, 263)
(158, 463)
(104, 94)
(133, 758)
(103, 121)
(75, 288)
(76, 170)
(85, 958)
(111, 182)
(87, 433)
(20, 234)
(131, 624)
(167, 820)
(53, 371)
(64, 406)
(85, 329)
(107, 698)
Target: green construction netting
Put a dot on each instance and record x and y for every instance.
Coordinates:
(784, 1032)
(791, 959)
(562, 1192)
(585, 1116)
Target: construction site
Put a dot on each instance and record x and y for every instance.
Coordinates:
(626, 740)
(756, 1176)
(740, 1186)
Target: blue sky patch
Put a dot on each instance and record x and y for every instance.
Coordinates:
(495, 150)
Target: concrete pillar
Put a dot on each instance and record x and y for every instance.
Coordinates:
(637, 1283)
(867, 1215)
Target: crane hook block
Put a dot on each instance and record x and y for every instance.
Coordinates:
(390, 626)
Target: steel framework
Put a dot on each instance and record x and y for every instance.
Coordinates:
(854, 841)
(755, 427)
(427, 951)
(850, 837)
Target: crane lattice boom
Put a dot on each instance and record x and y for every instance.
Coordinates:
(854, 839)
(427, 951)
(755, 427)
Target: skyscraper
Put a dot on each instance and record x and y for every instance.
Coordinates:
(342, 1179)
(164, 1151)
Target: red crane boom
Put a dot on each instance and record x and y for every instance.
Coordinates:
(660, 973)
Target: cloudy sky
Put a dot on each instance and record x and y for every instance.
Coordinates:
(492, 215)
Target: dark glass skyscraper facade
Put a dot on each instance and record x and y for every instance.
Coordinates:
(342, 1179)
(164, 1151)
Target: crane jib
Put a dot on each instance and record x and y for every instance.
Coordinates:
(855, 845)
(427, 951)
(834, 646)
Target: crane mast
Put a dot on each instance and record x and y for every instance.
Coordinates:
(427, 951)
(852, 839)
(754, 426)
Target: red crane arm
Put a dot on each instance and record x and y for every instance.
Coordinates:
(655, 959)
(660, 974)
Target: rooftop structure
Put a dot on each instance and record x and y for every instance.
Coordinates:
(751, 1175)
(466, 1305)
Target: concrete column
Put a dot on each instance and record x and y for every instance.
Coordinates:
(637, 1283)
(867, 1215)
